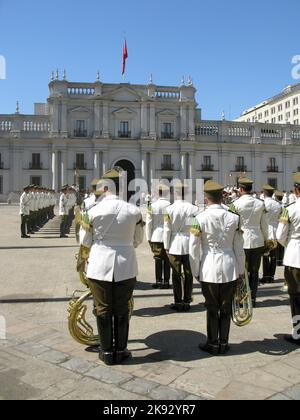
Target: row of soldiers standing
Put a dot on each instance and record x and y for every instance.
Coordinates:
(36, 209)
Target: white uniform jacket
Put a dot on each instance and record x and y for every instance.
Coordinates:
(89, 202)
(25, 204)
(116, 230)
(216, 246)
(288, 234)
(63, 205)
(254, 222)
(178, 222)
(274, 210)
(155, 220)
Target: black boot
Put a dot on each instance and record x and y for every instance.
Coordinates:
(225, 322)
(295, 308)
(121, 338)
(212, 345)
(158, 274)
(105, 329)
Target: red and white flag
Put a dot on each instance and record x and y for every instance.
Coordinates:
(125, 56)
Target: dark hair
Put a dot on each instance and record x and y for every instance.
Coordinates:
(269, 193)
(215, 197)
(247, 188)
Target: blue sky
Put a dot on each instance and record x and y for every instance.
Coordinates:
(238, 53)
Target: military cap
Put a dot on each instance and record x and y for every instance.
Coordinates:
(27, 187)
(111, 174)
(297, 179)
(94, 183)
(212, 187)
(279, 194)
(65, 187)
(268, 187)
(246, 182)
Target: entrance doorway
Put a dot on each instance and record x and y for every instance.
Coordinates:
(128, 167)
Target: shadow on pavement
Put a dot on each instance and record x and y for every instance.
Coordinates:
(182, 346)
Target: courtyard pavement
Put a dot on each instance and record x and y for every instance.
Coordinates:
(39, 359)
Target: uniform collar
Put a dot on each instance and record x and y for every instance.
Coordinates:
(111, 197)
(215, 206)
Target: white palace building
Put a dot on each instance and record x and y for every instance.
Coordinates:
(151, 131)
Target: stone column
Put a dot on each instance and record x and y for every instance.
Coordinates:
(183, 122)
(152, 121)
(191, 122)
(64, 167)
(144, 122)
(54, 170)
(96, 164)
(287, 180)
(257, 168)
(152, 167)
(64, 120)
(144, 168)
(97, 115)
(105, 120)
(17, 168)
(104, 161)
(183, 166)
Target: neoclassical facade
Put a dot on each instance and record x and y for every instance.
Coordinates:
(151, 131)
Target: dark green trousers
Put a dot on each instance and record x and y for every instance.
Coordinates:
(24, 225)
(253, 261)
(218, 301)
(292, 276)
(162, 263)
(270, 265)
(182, 283)
(112, 299)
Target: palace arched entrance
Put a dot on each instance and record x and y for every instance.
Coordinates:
(129, 167)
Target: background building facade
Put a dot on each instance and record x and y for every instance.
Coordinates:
(151, 131)
(281, 109)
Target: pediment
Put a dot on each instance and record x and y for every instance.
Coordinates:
(124, 94)
(124, 111)
(167, 113)
(80, 109)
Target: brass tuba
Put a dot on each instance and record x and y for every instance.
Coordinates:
(270, 246)
(79, 328)
(242, 308)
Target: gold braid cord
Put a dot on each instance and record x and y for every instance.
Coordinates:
(81, 331)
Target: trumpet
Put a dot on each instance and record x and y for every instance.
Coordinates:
(242, 308)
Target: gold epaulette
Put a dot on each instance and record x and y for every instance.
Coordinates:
(195, 229)
(284, 217)
(167, 218)
(85, 222)
(232, 209)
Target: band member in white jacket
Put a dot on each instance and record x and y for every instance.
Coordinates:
(288, 234)
(273, 209)
(218, 262)
(25, 200)
(176, 242)
(254, 224)
(116, 228)
(155, 236)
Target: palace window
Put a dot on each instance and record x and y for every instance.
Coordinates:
(1, 184)
(80, 164)
(124, 130)
(36, 180)
(295, 101)
(36, 161)
(80, 130)
(82, 183)
(288, 104)
(1, 163)
(280, 108)
(167, 131)
(273, 182)
(167, 163)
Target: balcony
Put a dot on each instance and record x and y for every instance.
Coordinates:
(167, 136)
(208, 168)
(167, 167)
(36, 166)
(124, 134)
(80, 133)
(273, 169)
(241, 168)
(80, 166)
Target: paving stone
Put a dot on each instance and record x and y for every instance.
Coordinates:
(107, 375)
(54, 357)
(280, 397)
(165, 393)
(265, 380)
(32, 349)
(78, 365)
(239, 391)
(140, 386)
(293, 392)
(164, 373)
(284, 371)
(195, 398)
